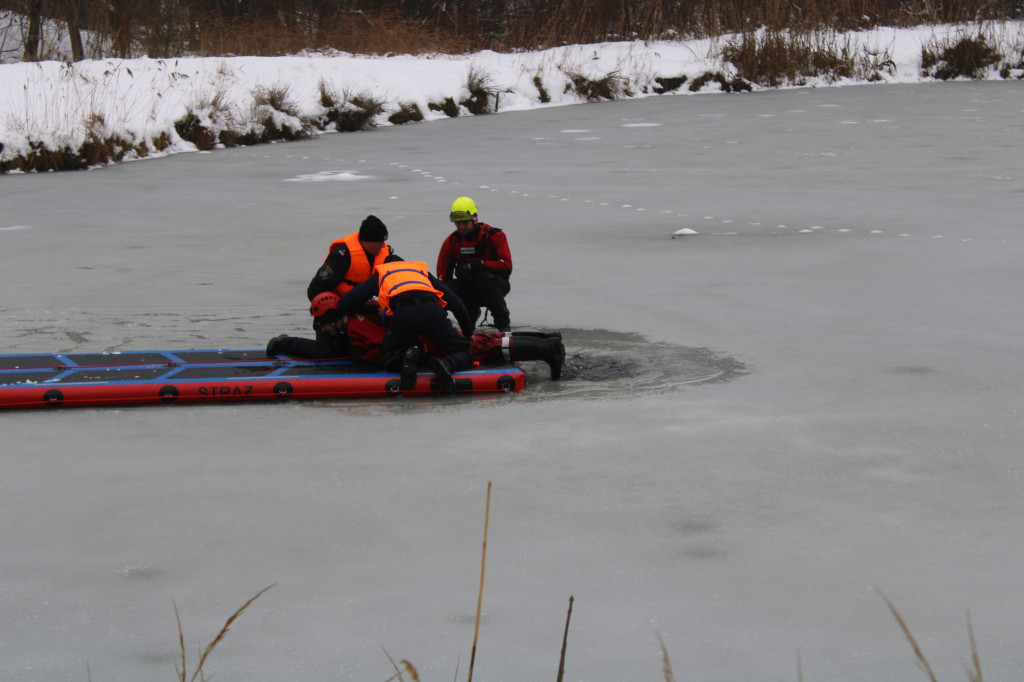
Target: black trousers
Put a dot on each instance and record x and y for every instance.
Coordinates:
(325, 345)
(415, 315)
(484, 290)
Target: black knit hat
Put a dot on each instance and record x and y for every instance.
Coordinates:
(373, 230)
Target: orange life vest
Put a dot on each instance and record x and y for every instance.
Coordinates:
(402, 277)
(360, 266)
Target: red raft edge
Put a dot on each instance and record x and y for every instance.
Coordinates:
(43, 395)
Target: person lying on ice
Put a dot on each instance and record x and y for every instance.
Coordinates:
(350, 260)
(414, 303)
(366, 332)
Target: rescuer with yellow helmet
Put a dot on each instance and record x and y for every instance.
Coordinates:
(476, 263)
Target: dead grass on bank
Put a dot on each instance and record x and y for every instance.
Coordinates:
(763, 57)
(192, 27)
(380, 33)
(965, 55)
(775, 58)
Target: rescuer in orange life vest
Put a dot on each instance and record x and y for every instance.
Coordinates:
(414, 303)
(476, 263)
(350, 261)
(366, 333)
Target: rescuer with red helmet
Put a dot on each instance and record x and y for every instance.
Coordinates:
(350, 261)
(366, 332)
(414, 304)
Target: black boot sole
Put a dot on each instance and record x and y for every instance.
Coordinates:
(445, 380)
(410, 359)
(273, 346)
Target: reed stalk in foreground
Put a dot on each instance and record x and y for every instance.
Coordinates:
(669, 676)
(409, 668)
(565, 642)
(182, 671)
(480, 595)
(974, 675)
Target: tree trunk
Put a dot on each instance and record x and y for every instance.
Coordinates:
(70, 10)
(34, 9)
(121, 28)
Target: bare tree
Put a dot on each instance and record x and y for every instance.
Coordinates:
(72, 15)
(34, 11)
(122, 26)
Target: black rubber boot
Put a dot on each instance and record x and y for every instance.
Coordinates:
(442, 367)
(410, 359)
(541, 335)
(274, 346)
(550, 349)
(499, 311)
(501, 320)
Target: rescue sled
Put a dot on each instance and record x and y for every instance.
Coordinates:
(212, 376)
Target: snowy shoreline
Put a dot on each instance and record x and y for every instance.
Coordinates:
(141, 103)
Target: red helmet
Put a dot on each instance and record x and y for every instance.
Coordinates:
(324, 303)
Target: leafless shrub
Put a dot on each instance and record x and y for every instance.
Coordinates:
(275, 117)
(347, 111)
(448, 107)
(481, 92)
(206, 118)
(724, 82)
(610, 86)
(668, 84)
(772, 58)
(960, 56)
(162, 29)
(542, 92)
(275, 97)
(1013, 66)
(407, 113)
(100, 146)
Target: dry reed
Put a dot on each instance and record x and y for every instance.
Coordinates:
(974, 675)
(480, 594)
(565, 643)
(162, 29)
(183, 671)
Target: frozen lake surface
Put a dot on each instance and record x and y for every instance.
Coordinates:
(814, 398)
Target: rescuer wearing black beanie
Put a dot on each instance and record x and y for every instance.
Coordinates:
(373, 229)
(350, 261)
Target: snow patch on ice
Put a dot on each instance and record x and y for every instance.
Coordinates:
(330, 176)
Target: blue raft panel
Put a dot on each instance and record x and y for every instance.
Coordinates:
(218, 375)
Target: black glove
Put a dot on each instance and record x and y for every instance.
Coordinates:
(467, 269)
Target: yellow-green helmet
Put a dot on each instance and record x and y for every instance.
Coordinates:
(463, 208)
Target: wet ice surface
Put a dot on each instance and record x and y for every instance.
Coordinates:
(609, 365)
(810, 395)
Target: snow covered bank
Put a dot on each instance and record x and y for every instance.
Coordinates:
(144, 106)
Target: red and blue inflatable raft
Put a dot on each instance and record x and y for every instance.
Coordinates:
(165, 377)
